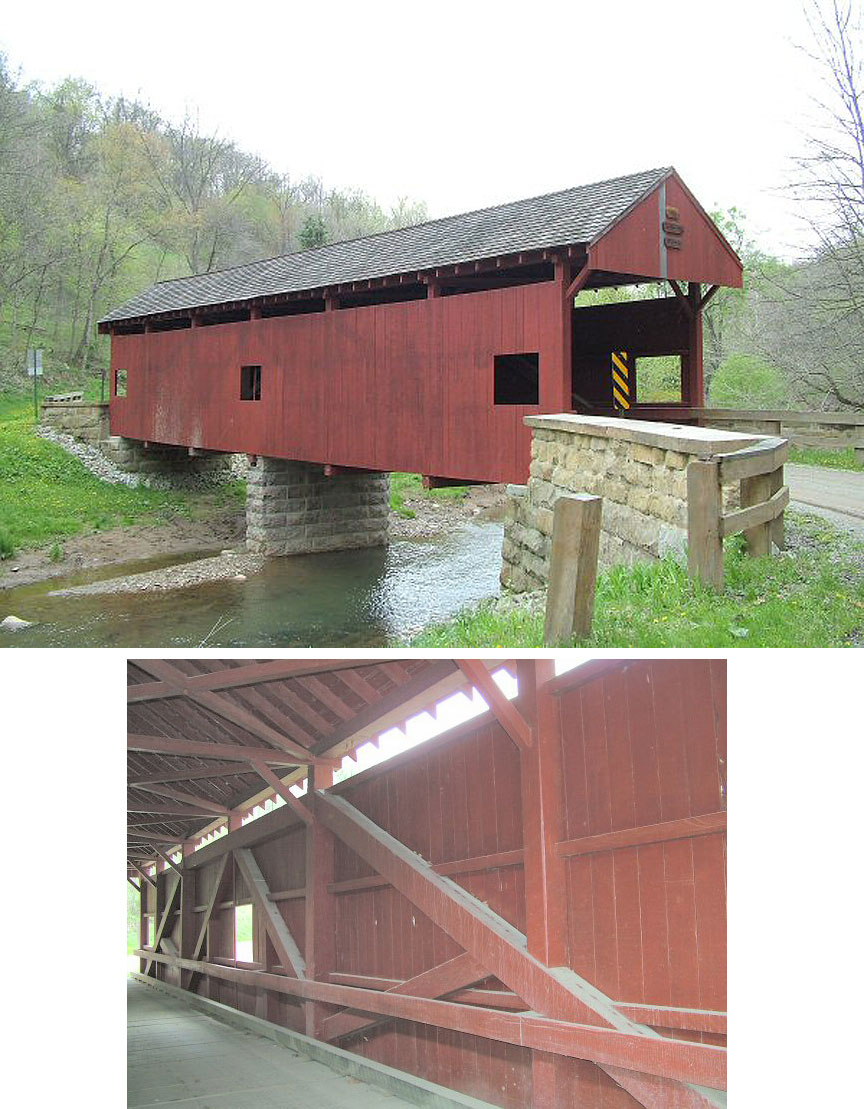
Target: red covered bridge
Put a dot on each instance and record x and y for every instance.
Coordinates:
(422, 349)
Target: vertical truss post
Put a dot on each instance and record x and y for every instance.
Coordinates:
(142, 921)
(556, 384)
(320, 928)
(188, 931)
(545, 871)
(692, 378)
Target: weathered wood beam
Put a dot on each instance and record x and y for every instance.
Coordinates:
(685, 828)
(283, 791)
(219, 770)
(134, 886)
(205, 920)
(682, 298)
(251, 674)
(667, 1016)
(204, 806)
(238, 715)
(320, 916)
(646, 1058)
(153, 838)
(489, 999)
(443, 979)
(578, 283)
(505, 712)
(142, 874)
(494, 943)
(167, 913)
(170, 862)
(458, 866)
(156, 808)
(587, 672)
(163, 745)
(286, 948)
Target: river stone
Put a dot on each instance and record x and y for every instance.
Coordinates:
(15, 623)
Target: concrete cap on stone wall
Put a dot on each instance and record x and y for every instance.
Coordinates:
(684, 439)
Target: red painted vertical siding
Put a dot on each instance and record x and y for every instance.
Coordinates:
(390, 387)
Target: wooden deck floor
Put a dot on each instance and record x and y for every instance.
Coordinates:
(178, 1056)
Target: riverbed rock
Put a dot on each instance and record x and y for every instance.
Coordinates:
(15, 624)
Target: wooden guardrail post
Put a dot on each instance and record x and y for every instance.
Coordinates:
(755, 490)
(572, 568)
(704, 509)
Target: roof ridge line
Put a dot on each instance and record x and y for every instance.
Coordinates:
(413, 226)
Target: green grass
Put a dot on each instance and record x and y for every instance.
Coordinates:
(832, 460)
(809, 596)
(411, 485)
(48, 494)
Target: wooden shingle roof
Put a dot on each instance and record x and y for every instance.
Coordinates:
(578, 215)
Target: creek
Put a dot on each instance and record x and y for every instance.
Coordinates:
(364, 598)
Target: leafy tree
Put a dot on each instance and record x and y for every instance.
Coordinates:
(313, 232)
(745, 381)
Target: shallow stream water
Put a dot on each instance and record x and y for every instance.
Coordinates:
(365, 598)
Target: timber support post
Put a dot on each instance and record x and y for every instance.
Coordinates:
(321, 913)
(704, 508)
(572, 568)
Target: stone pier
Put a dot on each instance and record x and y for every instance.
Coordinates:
(293, 508)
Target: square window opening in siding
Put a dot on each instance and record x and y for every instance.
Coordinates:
(517, 378)
(250, 383)
(120, 377)
(243, 951)
(658, 380)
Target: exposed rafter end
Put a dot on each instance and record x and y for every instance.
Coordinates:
(579, 281)
(506, 713)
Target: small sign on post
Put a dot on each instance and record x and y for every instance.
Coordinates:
(34, 370)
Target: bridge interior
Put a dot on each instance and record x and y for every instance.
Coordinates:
(526, 908)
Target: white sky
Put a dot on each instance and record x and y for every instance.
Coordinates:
(462, 104)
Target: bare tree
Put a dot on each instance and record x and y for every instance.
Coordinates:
(825, 299)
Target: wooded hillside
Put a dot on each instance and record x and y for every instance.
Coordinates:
(100, 197)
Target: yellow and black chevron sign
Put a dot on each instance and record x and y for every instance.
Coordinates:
(621, 379)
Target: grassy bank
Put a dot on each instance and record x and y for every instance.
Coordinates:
(811, 595)
(411, 485)
(47, 495)
(831, 460)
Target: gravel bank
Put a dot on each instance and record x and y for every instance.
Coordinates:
(94, 460)
(222, 567)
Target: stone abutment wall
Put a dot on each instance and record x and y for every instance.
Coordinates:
(161, 464)
(639, 468)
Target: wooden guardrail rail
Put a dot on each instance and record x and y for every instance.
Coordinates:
(822, 430)
(764, 498)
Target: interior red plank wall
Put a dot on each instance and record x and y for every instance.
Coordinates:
(641, 745)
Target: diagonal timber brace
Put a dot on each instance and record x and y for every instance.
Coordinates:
(166, 916)
(505, 712)
(446, 978)
(281, 938)
(499, 947)
(205, 919)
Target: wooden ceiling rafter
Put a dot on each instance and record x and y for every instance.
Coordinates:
(230, 677)
(238, 752)
(221, 706)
